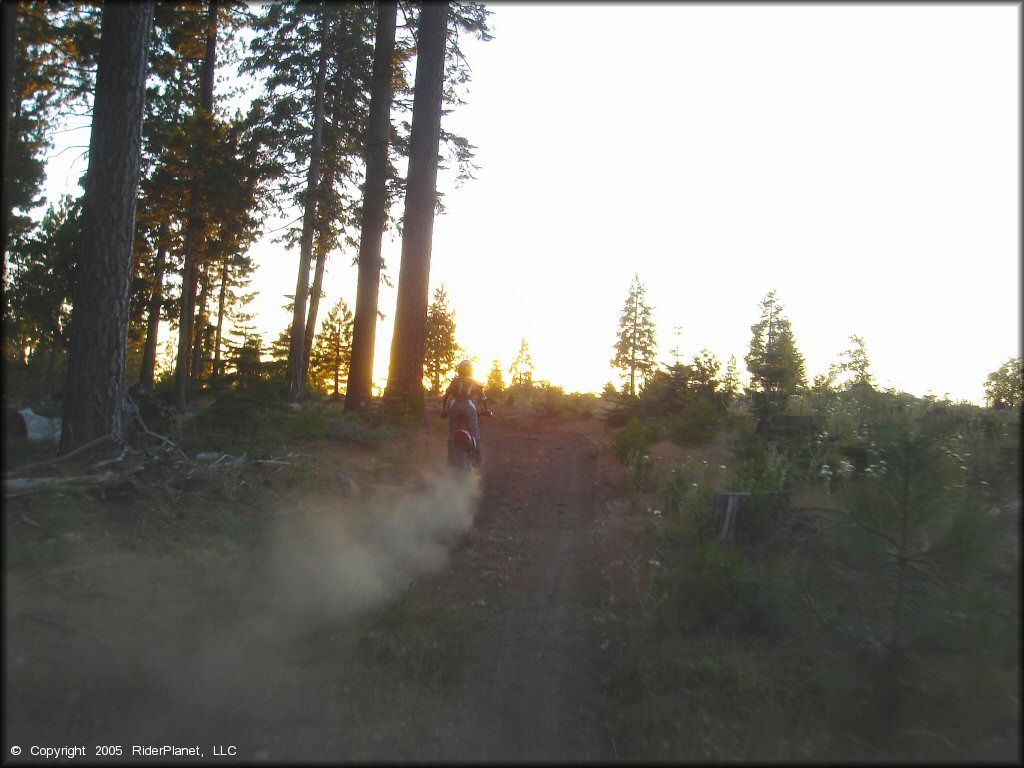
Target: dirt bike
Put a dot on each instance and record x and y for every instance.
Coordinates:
(462, 447)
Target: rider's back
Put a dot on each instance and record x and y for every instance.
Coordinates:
(464, 389)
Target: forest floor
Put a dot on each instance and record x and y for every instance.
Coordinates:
(268, 609)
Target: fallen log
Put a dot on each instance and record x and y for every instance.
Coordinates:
(20, 486)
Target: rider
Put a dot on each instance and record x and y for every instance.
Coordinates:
(460, 402)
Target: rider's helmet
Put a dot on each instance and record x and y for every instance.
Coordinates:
(465, 368)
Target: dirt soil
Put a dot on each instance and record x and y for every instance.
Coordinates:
(498, 649)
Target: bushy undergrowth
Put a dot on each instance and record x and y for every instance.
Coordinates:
(255, 419)
(635, 439)
(883, 625)
(545, 399)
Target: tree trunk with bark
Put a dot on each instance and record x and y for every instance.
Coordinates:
(296, 377)
(320, 254)
(199, 327)
(314, 302)
(364, 324)
(94, 395)
(147, 372)
(221, 304)
(189, 272)
(405, 375)
(10, 19)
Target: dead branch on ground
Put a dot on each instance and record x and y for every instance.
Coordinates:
(90, 446)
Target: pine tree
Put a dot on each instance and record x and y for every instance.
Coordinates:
(38, 287)
(94, 396)
(916, 548)
(244, 358)
(495, 384)
(314, 60)
(775, 364)
(405, 373)
(440, 347)
(276, 366)
(379, 189)
(636, 349)
(200, 150)
(329, 360)
(521, 369)
(731, 384)
(49, 59)
(374, 209)
(296, 380)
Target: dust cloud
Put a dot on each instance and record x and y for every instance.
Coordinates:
(350, 558)
(231, 647)
(319, 570)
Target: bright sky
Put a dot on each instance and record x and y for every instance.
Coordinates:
(861, 160)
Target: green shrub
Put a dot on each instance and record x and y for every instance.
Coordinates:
(555, 401)
(639, 468)
(766, 471)
(635, 438)
(687, 505)
(695, 424)
(713, 588)
(245, 408)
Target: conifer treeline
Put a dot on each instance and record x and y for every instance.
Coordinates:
(320, 141)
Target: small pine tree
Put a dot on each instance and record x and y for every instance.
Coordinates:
(495, 383)
(636, 349)
(277, 365)
(521, 370)
(440, 347)
(330, 359)
(731, 384)
(915, 548)
(775, 364)
(855, 361)
(244, 356)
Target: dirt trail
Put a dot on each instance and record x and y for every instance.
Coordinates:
(498, 656)
(538, 660)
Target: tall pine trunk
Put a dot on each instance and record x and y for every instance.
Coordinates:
(364, 324)
(199, 327)
(147, 372)
(189, 273)
(336, 365)
(322, 249)
(10, 19)
(405, 375)
(94, 395)
(221, 304)
(296, 376)
(314, 302)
